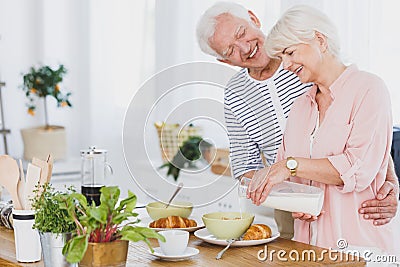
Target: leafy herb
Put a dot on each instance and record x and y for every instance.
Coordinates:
(190, 151)
(105, 223)
(50, 216)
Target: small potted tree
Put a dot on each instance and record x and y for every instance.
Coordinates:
(42, 83)
(192, 149)
(103, 232)
(53, 223)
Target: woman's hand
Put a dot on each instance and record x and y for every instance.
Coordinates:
(305, 216)
(276, 174)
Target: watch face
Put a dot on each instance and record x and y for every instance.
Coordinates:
(291, 164)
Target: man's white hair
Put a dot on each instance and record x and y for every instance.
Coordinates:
(298, 25)
(206, 25)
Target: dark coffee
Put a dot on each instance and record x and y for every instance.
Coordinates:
(92, 193)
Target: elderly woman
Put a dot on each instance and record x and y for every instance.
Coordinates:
(338, 134)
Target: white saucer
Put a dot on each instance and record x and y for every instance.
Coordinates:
(189, 252)
(203, 234)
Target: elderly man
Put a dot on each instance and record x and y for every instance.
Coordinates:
(258, 100)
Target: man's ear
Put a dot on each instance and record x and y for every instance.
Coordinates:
(226, 61)
(254, 18)
(321, 39)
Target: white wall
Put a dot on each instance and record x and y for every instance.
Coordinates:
(103, 44)
(121, 58)
(35, 32)
(111, 47)
(18, 48)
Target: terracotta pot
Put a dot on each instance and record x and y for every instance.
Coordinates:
(111, 254)
(41, 141)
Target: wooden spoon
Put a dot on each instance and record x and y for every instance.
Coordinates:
(44, 166)
(21, 185)
(9, 177)
(50, 162)
(32, 180)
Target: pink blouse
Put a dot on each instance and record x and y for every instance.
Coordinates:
(355, 136)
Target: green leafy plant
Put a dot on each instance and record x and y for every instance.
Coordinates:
(50, 216)
(190, 151)
(43, 82)
(107, 222)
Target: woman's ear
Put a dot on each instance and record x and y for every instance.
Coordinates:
(254, 18)
(322, 42)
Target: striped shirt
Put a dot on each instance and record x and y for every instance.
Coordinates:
(256, 114)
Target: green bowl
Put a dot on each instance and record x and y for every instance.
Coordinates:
(227, 225)
(157, 210)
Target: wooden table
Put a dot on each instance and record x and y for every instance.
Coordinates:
(236, 256)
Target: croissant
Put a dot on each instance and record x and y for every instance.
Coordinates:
(257, 231)
(173, 222)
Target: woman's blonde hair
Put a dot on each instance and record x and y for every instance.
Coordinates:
(298, 25)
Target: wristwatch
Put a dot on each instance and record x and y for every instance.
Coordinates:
(292, 164)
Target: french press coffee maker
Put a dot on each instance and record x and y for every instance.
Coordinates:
(94, 171)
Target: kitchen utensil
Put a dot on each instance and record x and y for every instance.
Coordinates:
(50, 162)
(9, 177)
(21, 171)
(180, 185)
(230, 241)
(21, 185)
(94, 172)
(32, 179)
(44, 166)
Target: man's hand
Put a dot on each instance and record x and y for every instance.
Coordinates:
(382, 209)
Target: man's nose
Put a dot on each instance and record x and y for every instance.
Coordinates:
(286, 63)
(243, 46)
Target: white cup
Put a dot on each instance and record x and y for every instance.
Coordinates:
(27, 240)
(175, 243)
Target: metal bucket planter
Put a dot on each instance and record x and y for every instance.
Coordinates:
(110, 254)
(52, 245)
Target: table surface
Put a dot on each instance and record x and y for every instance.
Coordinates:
(139, 255)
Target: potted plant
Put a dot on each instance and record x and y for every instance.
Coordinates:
(41, 83)
(103, 232)
(191, 150)
(53, 223)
